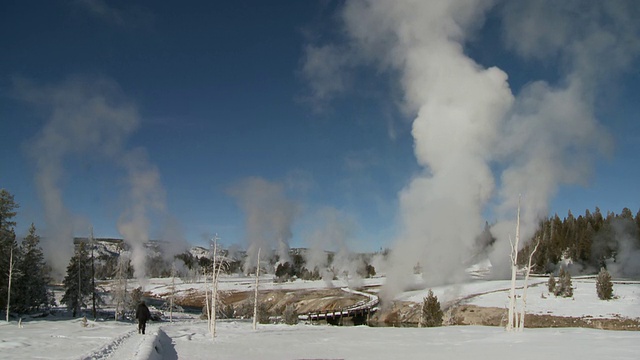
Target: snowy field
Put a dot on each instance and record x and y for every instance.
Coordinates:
(584, 302)
(187, 338)
(237, 340)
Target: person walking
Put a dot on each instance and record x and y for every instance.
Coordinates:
(143, 315)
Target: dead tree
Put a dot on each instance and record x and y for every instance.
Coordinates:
(512, 314)
(214, 289)
(173, 290)
(255, 298)
(121, 293)
(218, 266)
(9, 287)
(526, 284)
(92, 241)
(516, 319)
(206, 298)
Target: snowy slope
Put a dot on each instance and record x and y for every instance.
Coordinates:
(584, 302)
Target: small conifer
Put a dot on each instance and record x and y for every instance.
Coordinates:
(431, 312)
(564, 287)
(604, 286)
(551, 284)
(290, 315)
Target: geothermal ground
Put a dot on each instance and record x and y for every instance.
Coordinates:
(477, 302)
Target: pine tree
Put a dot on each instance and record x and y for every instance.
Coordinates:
(604, 286)
(290, 315)
(564, 287)
(77, 282)
(31, 285)
(551, 284)
(431, 314)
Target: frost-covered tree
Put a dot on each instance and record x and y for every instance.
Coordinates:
(31, 285)
(136, 298)
(290, 315)
(263, 314)
(121, 296)
(564, 286)
(77, 282)
(512, 321)
(431, 313)
(551, 284)
(604, 286)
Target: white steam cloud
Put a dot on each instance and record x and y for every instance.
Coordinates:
(333, 230)
(269, 215)
(89, 118)
(552, 134)
(86, 116)
(467, 119)
(146, 196)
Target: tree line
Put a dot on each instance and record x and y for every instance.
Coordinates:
(25, 275)
(592, 241)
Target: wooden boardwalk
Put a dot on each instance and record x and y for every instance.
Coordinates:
(357, 314)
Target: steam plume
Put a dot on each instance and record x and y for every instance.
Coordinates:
(89, 118)
(466, 117)
(552, 134)
(86, 116)
(269, 216)
(146, 195)
(333, 230)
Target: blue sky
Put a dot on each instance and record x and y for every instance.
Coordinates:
(222, 93)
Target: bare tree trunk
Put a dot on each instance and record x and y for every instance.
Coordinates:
(526, 284)
(221, 264)
(9, 288)
(255, 298)
(79, 288)
(93, 276)
(173, 290)
(206, 299)
(121, 284)
(212, 326)
(514, 267)
(421, 314)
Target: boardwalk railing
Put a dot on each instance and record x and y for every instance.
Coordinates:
(361, 308)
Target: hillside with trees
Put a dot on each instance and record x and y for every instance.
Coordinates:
(590, 242)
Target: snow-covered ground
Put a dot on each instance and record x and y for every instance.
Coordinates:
(237, 340)
(584, 302)
(187, 338)
(161, 287)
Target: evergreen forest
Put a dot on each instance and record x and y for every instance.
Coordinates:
(589, 242)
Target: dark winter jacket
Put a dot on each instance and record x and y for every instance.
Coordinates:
(142, 313)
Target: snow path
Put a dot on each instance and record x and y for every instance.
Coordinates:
(133, 345)
(154, 345)
(106, 351)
